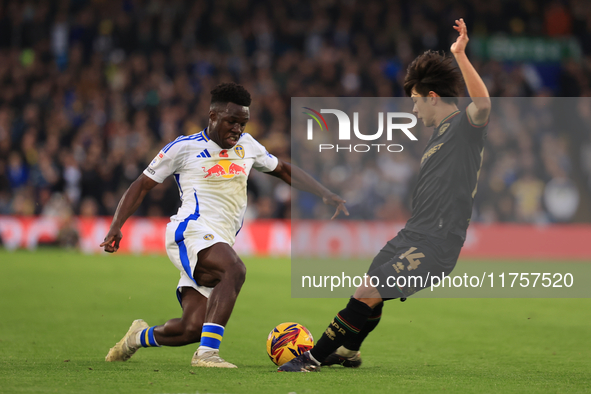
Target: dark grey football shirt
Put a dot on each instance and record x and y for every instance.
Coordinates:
(442, 199)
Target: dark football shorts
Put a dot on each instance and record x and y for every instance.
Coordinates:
(410, 260)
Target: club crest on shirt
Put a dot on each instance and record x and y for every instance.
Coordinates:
(442, 129)
(208, 237)
(239, 149)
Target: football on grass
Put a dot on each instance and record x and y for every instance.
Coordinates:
(288, 340)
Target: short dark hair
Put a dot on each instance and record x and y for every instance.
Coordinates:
(435, 72)
(230, 93)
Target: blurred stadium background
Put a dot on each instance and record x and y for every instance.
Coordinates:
(91, 90)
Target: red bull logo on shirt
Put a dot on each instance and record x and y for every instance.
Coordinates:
(225, 169)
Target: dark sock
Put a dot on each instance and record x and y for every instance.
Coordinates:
(372, 322)
(346, 324)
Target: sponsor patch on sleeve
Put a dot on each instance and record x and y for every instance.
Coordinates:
(157, 159)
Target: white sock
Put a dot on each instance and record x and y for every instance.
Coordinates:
(203, 349)
(313, 359)
(211, 338)
(134, 340)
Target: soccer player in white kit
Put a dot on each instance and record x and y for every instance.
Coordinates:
(211, 169)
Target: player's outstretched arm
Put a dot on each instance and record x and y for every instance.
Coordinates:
(129, 203)
(301, 180)
(479, 109)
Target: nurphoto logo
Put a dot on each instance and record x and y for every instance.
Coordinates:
(345, 130)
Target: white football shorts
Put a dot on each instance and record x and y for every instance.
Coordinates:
(184, 240)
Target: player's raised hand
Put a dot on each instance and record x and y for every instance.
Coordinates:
(335, 200)
(460, 45)
(111, 243)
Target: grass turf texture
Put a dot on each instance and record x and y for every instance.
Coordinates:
(61, 312)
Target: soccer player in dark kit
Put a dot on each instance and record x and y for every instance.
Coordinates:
(442, 201)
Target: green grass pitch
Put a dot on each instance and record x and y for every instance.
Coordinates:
(60, 313)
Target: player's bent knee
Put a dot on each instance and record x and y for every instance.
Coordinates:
(237, 272)
(371, 302)
(368, 295)
(192, 333)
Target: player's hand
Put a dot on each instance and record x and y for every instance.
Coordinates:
(460, 45)
(337, 201)
(111, 243)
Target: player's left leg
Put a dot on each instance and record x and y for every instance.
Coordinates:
(416, 261)
(175, 332)
(221, 268)
(348, 354)
(341, 341)
(409, 255)
(126, 347)
(346, 324)
(402, 268)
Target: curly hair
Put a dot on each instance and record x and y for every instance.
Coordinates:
(432, 71)
(230, 93)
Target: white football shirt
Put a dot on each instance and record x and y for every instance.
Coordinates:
(211, 180)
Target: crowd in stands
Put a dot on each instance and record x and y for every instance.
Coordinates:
(91, 90)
